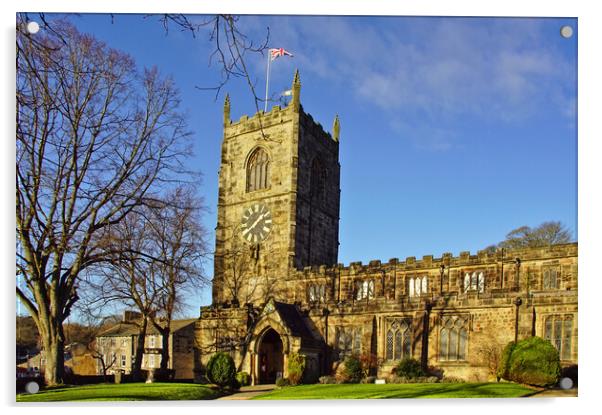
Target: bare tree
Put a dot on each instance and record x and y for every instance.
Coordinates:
(548, 233)
(95, 139)
(179, 242)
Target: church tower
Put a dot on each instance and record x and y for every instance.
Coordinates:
(278, 204)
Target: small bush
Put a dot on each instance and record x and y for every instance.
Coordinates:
(282, 382)
(533, 361)
(353, 372)
(327, 380)
(221, 370)
(409, 368)
(370, 363)
(368, 379)
(243, 378)
(452, 379)
(296, 366)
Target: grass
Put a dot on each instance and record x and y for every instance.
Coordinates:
(123, 392)
(410, 390)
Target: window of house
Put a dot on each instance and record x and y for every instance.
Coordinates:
(551, 277)
(258, 170)
(151, 360)
(364, 289)
(399, 340)
(348, 341)
(151, 342)
(453, 338)
(417, 286)
(317, 293)
(558, 330)
(123, 360)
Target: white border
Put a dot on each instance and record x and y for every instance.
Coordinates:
(590, 33)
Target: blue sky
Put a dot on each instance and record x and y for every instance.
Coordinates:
(453, 130)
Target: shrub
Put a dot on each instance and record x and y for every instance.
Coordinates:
(370, 363)
(243, 378)
(282, 382)
(533, 361)
(327, 380)
(368, 379)
(409, 368)
(502, 370)
(353, 372)
(296, 366)
(221, 370)
(452, 379)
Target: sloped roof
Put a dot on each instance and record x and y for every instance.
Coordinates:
(296, 323)
(125, 329)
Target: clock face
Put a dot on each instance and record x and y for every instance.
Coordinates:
(256, 223)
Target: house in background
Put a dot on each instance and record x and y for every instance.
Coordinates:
(118, 346)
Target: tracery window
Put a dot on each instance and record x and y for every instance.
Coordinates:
(399, 340)
(474, 282)
(348, 341)
(317, 293)
(453, 338)
(364, 289)
(551, 277)
(558, 330)
(417, 286)
(258, 170)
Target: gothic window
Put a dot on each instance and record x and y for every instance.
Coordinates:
(399, 340)
(348, 341)
(474, 282)
(418, 286)
(453, 338)
(364, 289)
(558, 331)
(258, 170)
(317, 293)
(550, 278)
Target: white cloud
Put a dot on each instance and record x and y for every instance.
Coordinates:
(503, 69)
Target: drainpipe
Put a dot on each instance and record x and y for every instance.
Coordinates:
(517, 302)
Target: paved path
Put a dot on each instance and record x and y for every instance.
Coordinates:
(248, 392)
(556, 393)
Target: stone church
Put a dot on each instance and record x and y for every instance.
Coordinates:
(278, 288)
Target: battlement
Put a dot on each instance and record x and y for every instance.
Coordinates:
(278, 115)
(447, 260)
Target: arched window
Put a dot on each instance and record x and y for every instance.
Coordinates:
(411, 287)
(258, 170)
(424, 285)
(399, 339)
(473, 285)
(466, 282)
(453, 338)
(417, 287)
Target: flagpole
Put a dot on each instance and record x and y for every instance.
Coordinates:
(267, 83)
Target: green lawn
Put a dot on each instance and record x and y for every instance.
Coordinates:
(412, 390)
(123, 392)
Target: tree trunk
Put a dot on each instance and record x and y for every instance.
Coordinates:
(165, 348)
(136, 370)
(54, 369)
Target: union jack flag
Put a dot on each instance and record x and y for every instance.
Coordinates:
(276, 53)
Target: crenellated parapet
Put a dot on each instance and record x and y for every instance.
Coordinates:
(486, 273)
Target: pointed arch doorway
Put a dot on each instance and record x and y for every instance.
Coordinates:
(271, 357)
